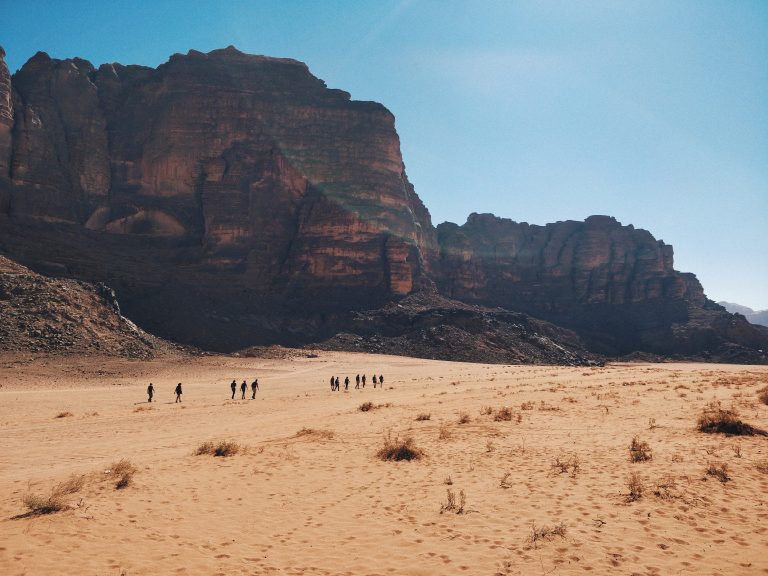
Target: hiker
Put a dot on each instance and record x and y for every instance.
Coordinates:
(346, 384)
(332, 384)
(357, 382)
(374, 380)
(337, 383)
(363, 380)
(243, 388)
(234, 388)
(150, 391)
(381, 380)
(254, 388)
(178, 392)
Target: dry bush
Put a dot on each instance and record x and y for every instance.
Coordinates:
(486, 411)
(567, 464)
(762, 394)
(715, 419)
(448, 480)
(313, 433)
(451, 505)
(652, 423)
(503, 414)
(368, 406)
(444, 432)
(38, 505)
(526, 406)
(423, 416)
(71, 485)
(396, 449)
(223, 448)
(123, 470)
(666, 488)
(504, 482)
(635, 486)
(639, 451)
(64, 414)
(547, 532)
(719, 471)
(463, 418)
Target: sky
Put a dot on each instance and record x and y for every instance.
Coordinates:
(652, 111)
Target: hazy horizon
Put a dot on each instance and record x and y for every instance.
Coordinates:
(654, 113)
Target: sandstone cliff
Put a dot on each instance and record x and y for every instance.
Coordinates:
(233, 200)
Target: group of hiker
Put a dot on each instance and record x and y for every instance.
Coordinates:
(358, 381)
(233, 386)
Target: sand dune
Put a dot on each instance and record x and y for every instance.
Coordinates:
(321, 502)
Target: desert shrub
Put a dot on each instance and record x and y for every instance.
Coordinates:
(222, 448)
(38, 505)
(366, 407)
(504, 482)
(762, 394)
(503, 414)
(313, 433)
(64, 414)
(567, 464)
(486, 411)
(450, 505)
(526, 406)
(448, 480)
(123, 470)
(423, 416)
(397, 449)
(635, 486)
(639, 451)
(719, 471)
(715, 419)
(71, 485)
(547, 532)
(463, 418)
(666, 488)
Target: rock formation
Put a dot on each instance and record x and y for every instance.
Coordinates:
(233, 200)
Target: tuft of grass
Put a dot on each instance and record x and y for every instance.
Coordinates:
(567, 464)
(504, 482)
(639, 451)
(39, 505)
(635, 486)
(715, 419)
(71, 485)
(123, 470)
(526, 406)
(486, 411)
(504, 414)
(450, 505)
(719, 471)
(313, 433)
(222, 448)
(397, 449)
(547, 532)
(423, 416)
(463, 418)
(64, 414)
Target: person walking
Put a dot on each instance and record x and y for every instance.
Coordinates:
(178, 392)
(150, 392)
(333, 385)
(243, 388)
(374, 380)
(381, 380)
(234, 388)
(346, 384)
(357, 382)
(254, 388)
(363, 381)
(337, 383)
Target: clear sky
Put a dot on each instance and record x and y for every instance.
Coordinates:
(653, 111)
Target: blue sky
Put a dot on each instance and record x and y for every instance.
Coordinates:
(655, 112)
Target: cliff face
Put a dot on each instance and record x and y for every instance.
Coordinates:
(233, 199)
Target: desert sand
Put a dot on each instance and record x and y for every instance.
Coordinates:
(308, 494)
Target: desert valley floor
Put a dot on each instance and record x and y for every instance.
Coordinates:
(544, 484)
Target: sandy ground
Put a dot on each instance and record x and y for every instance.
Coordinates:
(323, 503)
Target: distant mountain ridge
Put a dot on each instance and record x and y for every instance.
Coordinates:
(754, 316)
(234, 200)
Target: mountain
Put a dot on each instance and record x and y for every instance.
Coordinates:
(233, 200)
(753, 316)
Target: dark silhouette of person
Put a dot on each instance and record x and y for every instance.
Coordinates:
(357, 382)
(346, 384)
(234, 388)
(178, 392)
(150, 392)
(381, 380)
(363, 380)
(333, 384)
(243, 388)
(374, 380)
(337, 383)
(254, 388)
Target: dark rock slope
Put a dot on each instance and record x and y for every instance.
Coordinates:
(233, 200)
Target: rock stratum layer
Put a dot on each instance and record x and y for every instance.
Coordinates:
(234, 200)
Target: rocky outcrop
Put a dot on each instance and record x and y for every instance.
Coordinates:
(233, 200)
(615, 285)
(39, 314)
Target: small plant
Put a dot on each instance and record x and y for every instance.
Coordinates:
(639, 451)
(503, 414)
(448, 480)
(666, 489)
(547, 532)
(489, 446)
(737, 451)
(123, 470)
(313, 433)
(526, 406)
(504, 482)
(223, 448)
(366, 407)
(652, 423)
(567, 464)
(396, 449)
(72, 485)
(450, 504)
(39, 505)
(64, 414)
(635, 486)
(715, 419)
(719, 471)
(423, 417)
(486, 411)
(463, 418)
(444, 432)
